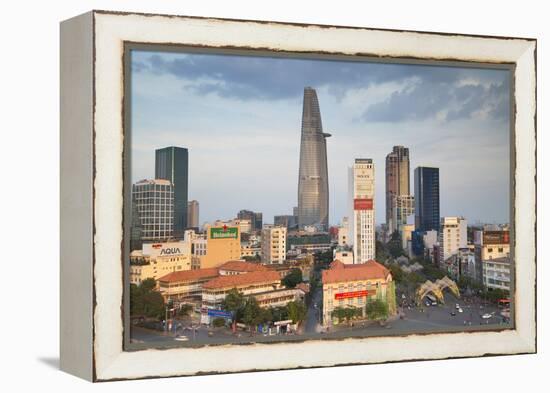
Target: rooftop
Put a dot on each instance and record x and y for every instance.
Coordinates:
(242, 266)
(242, 280)
(339, 272)
(190, 275)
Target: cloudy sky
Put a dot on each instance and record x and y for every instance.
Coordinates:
(240, 118)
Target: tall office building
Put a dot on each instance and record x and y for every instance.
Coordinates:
(154, 202)
(313, 173)
(397, 182)
(426, 198)
(193, 214)
(363, 210)
(256, 218)
(172, 163)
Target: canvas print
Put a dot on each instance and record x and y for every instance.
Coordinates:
(291, 198)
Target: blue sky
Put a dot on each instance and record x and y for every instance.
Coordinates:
(240, 118)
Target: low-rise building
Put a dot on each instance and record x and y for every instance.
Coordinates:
(155, 260)
(305, 242)
(185, 286)
(496, 273)
(215, 290)
(343, 254)
(231, 268)
(354, 286)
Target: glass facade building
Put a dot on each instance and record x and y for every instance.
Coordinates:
(313, 194)
(426, 198)
(172, 163)
(153, 201)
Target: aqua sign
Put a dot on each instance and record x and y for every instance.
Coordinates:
(224, 233)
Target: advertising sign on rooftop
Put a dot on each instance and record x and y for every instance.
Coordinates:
(224, 232)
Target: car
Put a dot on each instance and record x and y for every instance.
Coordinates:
(453, 313)
(182, 338)
(460, 309)
(434, 303)
(428, 304)
(486, 316)
(457, 306)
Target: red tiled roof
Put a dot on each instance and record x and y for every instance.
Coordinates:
(242, 266)
(190, 275)
(339, 272)
(242, 279)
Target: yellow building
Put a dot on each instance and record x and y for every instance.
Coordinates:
(354, 286)
(158, 259)
(223, 243)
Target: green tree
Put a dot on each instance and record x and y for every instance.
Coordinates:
(218, 322)
(296, 311)
(185, 310)
(397, 273)
(377, 309)
(339, 313)
(293, 278)
(146, 301)
(234, 303)
(279, 313)
(252, 313)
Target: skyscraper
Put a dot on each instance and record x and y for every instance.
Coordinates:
(426, 198)
(153, 201)
(172, 163)
(397, 182)
(193, 214)
(363, 210)
(313, 173)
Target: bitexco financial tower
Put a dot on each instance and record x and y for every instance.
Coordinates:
(313, 173)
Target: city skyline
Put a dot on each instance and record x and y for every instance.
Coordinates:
(258, 129)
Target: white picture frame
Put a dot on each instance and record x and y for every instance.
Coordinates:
(92, 189)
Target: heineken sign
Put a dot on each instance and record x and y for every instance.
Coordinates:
(224, 232)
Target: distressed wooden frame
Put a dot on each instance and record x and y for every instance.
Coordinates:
(92, 189)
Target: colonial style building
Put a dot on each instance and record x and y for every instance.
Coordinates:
(354, 286)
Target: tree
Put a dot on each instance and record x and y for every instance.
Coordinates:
(218, 322)
(234, 303)
(397, 273)
(279, 313)
(252, 312)
(185, 310)
(293, 278)
(146, 301)
(339, 313)
(296, 311)
(377, 309)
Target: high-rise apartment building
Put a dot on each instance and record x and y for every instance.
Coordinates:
(193, 214)
(363, 210)
(452, 236)
(313, 192)
(274, 244)
(397, 182)
(172, 163)
(426, 198)
(154, 203)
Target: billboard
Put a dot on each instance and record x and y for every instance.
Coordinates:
(362, 204)
(166, 249)
(347, 295)
(224, 232)
(496, 237)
